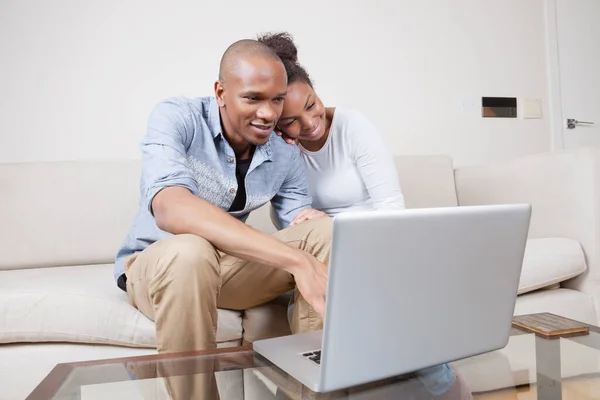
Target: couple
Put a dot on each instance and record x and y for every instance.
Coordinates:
(209, 162)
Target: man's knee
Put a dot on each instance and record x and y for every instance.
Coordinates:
(324, 224)
(320, 229)
(190, 258)
(317, 237)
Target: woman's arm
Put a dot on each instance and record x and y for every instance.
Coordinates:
(374, 162)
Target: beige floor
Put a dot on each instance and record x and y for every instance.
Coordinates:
(573, 389)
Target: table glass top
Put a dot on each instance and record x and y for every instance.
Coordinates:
(528, 367)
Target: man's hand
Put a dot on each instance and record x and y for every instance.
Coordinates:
(306, 214)
(311, 281)
(288, 139)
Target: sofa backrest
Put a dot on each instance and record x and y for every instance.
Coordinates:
(78, 212)
(561, 186)
(426, 181)
(65, 213)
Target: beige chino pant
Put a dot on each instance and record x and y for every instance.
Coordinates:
(179, 282)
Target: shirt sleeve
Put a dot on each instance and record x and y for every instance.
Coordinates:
(293, 196)
(164, 151)
(375, 164)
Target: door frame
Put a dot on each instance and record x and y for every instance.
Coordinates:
(556, 123)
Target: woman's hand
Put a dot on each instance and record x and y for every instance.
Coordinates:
(306, 214)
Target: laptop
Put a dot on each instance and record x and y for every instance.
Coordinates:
(409, 289)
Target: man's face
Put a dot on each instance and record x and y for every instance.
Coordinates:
(251, 99)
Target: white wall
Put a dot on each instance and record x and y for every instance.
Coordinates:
(78, 78)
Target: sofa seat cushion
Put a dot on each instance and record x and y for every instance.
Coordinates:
(549, 261)
(565, 302)
(80, 304)
(268, 320)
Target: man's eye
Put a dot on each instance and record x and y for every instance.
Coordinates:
(278, 99)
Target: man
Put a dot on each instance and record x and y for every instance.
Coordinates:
(207, 163)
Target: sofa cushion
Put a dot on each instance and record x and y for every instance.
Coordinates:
(565, 302)
(80, 304)
(549, 261)
(268, 320)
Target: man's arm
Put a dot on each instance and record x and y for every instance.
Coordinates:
(293, 195)
(178, 211)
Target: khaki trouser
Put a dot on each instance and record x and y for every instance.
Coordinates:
(179, 282)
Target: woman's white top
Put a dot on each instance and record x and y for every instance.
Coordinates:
(353, 170)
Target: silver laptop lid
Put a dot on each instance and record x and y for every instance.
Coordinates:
(414, 288)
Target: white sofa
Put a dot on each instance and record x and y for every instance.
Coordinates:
(62, 222)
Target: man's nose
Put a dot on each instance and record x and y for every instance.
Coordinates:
(267, 112)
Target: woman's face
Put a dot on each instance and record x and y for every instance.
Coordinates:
(303, 115)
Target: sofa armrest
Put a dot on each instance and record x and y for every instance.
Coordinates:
(563, 189)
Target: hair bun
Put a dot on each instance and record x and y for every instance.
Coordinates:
(283, 44)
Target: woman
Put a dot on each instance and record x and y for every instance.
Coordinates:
(348, 167)
(347, 163)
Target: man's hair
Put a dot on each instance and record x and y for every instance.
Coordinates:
(245, 48)
(283, 45)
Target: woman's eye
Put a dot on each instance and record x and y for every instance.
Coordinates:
(311, 106)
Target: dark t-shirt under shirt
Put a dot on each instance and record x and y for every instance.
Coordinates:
(241, 169)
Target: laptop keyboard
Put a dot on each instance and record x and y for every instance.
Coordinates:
(314, 356)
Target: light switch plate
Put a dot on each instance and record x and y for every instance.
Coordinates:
(532, 108)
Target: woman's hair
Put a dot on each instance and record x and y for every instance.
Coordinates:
(283, 44)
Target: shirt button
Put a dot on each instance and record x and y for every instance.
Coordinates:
(229, 160)
(232, 190)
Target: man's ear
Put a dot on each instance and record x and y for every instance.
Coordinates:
(220, 93)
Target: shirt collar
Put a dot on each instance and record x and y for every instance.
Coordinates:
(214, 119)
(266, 149)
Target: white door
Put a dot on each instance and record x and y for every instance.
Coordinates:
(574, 39)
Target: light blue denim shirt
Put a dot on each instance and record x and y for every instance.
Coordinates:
(184, 146)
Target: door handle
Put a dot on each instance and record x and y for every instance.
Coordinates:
(572, 123)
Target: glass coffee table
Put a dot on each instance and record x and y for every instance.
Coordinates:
(529, 367)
